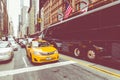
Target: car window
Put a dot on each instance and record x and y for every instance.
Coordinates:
(43, 44)
(3, 45)
(40, 44)
(35, 43)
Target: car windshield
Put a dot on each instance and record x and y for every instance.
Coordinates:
(13, 42)
(40, 44)
(4, 44)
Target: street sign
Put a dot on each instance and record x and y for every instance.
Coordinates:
(60, 15)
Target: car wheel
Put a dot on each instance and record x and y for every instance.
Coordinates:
(91, 55)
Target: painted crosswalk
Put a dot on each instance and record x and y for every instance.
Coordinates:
(35, 68)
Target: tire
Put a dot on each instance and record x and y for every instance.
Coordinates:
(77, 52)
(91, 55)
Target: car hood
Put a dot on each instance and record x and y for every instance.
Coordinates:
(45, 49)
(3, 50)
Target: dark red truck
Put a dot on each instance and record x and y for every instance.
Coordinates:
(90, 35)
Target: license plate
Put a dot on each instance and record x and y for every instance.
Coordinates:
(49, 58)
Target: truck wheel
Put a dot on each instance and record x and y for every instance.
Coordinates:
(77, 52)
(91, 55)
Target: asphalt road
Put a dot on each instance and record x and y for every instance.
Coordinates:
(68, 68)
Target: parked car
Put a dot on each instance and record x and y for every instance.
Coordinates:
(6, 52)
(23, 43)
(14, 45)
(40, 51)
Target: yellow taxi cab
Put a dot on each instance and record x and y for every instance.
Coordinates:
(41, 51)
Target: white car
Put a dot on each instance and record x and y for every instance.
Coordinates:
(14, 45)
(6, 52)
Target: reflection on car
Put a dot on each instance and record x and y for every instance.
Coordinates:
(6, 52)
(14, 45)
(40, 51)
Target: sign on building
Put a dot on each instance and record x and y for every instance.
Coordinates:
(60, 15)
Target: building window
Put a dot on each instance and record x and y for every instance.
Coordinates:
(54, 18)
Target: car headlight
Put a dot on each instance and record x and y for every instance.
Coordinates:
(43, 53)
(2, 54)
(39, 53)
(56, 51)
(36, 52)
(5, 53)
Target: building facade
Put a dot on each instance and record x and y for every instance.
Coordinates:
(10, 28)
(24, 21)
(55, 10)
(33, 15)
(3, 18)
(42, 19)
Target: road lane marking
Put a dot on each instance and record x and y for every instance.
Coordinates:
(29, 69)
(25, 62)
(89, 65)
(106, 71)
(73, 59)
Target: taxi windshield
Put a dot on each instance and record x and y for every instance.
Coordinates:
(40, 44)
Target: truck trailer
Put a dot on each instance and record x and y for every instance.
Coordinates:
(89, 35)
